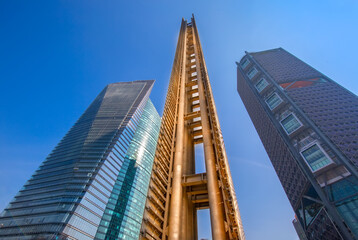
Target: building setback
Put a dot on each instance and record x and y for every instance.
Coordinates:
(308, 125)
(94, 183)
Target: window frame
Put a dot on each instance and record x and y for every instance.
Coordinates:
(298, 120)
(270, 97)
(243, 66)
(248, 73)
(322, 150)
(264, 79)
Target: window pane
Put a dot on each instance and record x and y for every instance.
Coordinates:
(245, 63)
(273, 101)
(315, 158)
(261, 85)
(290, 123)
(252, 73)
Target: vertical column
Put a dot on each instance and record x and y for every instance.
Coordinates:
(177, 191)
(215, 198)
(231, 210)
(188, 209)
(187, 218)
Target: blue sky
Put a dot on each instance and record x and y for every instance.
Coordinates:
(56, 56)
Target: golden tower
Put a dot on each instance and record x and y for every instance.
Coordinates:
(189, 118)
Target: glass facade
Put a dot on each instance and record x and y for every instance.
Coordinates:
(344, 193)
(309, 209)
(67, 196)
(123, 214)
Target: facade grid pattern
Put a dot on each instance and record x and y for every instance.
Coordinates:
(319, 136)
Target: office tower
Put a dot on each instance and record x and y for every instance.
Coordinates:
(94, 183)
(308, 125)
(176, 191)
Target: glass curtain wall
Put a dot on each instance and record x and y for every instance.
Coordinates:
(124, 212)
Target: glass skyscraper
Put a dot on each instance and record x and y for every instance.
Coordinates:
(308, 125)
(94, 183)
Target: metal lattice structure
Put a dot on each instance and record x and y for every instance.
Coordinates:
(190, 118)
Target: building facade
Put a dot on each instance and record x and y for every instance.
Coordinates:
(94, 184)
(176, 189)
(308, 125)
(299, 230)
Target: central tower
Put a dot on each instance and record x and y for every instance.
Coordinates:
(176, 192)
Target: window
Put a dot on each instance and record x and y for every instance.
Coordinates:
(245, 63)
(273, 101)
(315, 157)
(261, 84)
(252, 73)
(291, 123)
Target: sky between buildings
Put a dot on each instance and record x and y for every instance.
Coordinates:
(56, 56)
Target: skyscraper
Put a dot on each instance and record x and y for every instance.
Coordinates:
(176, 190)
(94, 183)
(308, 125)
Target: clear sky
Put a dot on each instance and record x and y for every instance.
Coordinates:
(56, 56)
